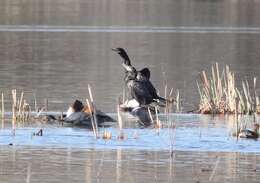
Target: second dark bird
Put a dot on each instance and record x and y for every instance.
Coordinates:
(138, 82)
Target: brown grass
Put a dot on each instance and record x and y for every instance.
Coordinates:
(218, 93)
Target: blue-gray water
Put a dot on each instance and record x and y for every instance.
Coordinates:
(191, 133)
(200, 149)
(54, 49)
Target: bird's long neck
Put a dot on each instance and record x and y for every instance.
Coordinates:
(126, 58)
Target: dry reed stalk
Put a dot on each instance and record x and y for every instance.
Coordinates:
(46, 104)
(35, 103)
(177, 103)
(20, 104)
(3, 107)
(158, 122)
(25, 111)
(3, 111)
(236, 117)
(92, 119)
(246, 95)
(171, 91)
(14, 108)
(218, 93)
(124, 97)
(120, 124)
(150, 114)
(231, 88)
(170, 123)
(255, 100)
(94, 109)
(165, 96)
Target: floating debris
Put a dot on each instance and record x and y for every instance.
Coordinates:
(107, 135)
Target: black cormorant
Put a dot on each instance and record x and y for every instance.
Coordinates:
(138, 82)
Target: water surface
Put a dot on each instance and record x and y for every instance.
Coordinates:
(200, 148)
(55, 48)
(191, 133)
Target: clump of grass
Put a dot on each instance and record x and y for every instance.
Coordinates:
(218, 93)
(20, 108)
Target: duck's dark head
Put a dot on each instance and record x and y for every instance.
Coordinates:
(145, 72)
(123, 54)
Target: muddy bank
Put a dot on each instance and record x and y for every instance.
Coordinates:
(89, 165)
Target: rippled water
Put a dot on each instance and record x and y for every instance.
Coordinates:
(203, 150)
(192, 133)
(72, 165)
(54, 49)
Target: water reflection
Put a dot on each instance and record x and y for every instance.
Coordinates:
(169, 13)
(67, 165)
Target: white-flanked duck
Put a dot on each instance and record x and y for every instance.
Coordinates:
(80, 115)
(252, 134)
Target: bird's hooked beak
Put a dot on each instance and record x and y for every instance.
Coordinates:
(115, 49)
(127, 67)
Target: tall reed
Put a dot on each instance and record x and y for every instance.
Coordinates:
(14, 109)
(3, 107)
(218, 93)
(2, 110)
(120, 124)
(92, 108)
(92, 119)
